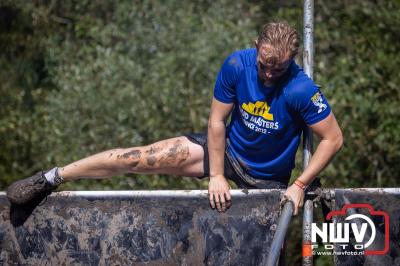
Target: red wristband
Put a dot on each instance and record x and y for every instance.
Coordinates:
(300, 184)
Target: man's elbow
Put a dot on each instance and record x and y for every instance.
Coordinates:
(216, 124)
(211, 125)
(338, 141)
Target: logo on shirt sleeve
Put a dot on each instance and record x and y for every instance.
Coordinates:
(318, 101)
(257, 117)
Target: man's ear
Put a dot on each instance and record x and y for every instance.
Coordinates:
(256, 43)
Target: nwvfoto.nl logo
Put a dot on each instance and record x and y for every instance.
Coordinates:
(365, 234)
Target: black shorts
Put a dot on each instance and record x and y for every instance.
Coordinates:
(234, 171)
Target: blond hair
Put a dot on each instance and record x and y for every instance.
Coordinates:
(282, 37)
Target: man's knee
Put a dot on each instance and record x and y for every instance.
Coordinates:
(165, 154)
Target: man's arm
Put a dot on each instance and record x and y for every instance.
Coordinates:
(331, 140)
(218, 187)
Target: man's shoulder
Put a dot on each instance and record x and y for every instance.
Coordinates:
(244, 57)
(299, 84)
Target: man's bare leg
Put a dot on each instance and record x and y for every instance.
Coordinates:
(176, 156)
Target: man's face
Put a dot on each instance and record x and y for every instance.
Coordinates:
(270, 70)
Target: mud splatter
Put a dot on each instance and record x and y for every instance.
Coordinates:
(153, 150)
(134, 154)
(176, 155)
(151, 160)
(110, 155)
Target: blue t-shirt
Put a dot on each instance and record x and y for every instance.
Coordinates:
(266, 122)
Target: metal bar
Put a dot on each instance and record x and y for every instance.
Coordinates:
(308, 65)
(279, 237)
(308, 56)
(238, 193)
(308, 216)
(307, 146)
(374, 190)
(203, 193)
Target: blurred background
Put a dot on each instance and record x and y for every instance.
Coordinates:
(80, 77)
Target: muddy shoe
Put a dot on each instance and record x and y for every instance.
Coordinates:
(25, 190)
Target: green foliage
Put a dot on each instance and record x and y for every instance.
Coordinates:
(127, 75)
(357, 57)
(81, 77)
(24, 83)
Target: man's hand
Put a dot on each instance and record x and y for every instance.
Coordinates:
(218, 189)
(296, 195)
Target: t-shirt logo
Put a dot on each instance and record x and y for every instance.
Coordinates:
(259, 109)
(257, 117)
(318, 101)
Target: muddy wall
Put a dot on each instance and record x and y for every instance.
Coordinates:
(138, 228)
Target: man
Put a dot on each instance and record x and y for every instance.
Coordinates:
(270, 101)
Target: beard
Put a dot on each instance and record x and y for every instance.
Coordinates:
(269, 81)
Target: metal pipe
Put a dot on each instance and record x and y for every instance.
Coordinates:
(393, 190)
(204, 193)
(279, 237)
(308, 216)
(307, 146)
(236, 193)
(308, 55)
(308, 65)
